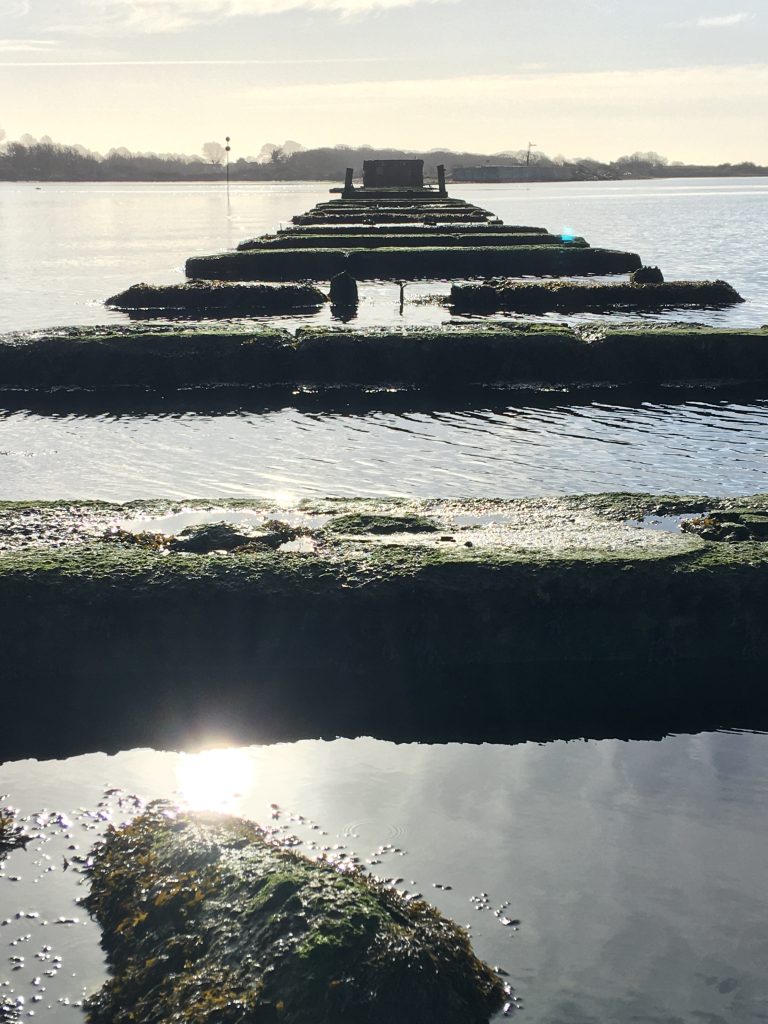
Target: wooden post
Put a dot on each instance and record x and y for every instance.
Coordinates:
(441, 179)
(348, 189)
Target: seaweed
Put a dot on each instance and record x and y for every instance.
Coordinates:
(733, 525)
(12, 834)
(361, 523)
(206, 918)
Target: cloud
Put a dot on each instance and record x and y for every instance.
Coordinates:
(724, 20)
(175, 15)
(192, 63)
(683, 112)
(652, 88)
(27, 45)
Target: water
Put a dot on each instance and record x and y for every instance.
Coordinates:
(699, 446)
(637, 869)
(64, 248)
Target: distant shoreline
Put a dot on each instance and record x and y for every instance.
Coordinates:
(220, 179)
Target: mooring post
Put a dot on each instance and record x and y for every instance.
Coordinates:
(441, 179)
(348, 190)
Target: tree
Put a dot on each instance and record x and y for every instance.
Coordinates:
(214, 152)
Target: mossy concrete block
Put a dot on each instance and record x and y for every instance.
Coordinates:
(418, 217)
(578, 297)
(407, 229)
(386, 239)
(439, 359)
(445, 358)
(137, 356)
(223, 298)
(411, 263)
(507, 619)
(208, 918)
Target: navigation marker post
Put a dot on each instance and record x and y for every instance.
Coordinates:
(227, 148)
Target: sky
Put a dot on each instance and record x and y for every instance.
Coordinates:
(600, 78)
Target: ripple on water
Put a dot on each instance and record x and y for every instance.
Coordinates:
(715, 447)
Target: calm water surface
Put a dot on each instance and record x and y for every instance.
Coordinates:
(692, 447)
(64, 248)
(637, 870)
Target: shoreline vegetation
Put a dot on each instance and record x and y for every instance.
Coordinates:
(44, 160)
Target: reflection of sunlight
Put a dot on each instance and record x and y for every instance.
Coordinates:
(215, 780)
(285, 499)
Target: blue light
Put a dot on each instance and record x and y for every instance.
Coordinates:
(568, 235)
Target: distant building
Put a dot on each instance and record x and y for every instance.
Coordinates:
(393, 174)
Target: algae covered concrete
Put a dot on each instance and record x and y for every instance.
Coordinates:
(421, 263)
(372, 231)
(571, 297)
(452, 357)
(386, 239)
(225, 298)
(209, 918)
(472, 620)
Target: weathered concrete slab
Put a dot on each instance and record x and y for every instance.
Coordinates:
(382, 238)
(224, 298)
(207, 918)
(441, 359)
(398, 217)
(579, 297)
(391, 229)
(412, 264)
(472, 620)
(142, 356)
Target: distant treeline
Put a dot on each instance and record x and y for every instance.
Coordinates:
(31, 160)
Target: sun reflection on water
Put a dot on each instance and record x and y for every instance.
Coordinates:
(215, 780)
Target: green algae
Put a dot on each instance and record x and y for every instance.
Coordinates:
(207, 919)
(152, 356)
(411, 263)
(386, 239)
(570, 297)
(210, 538)
(416, 216)
(733, 525)
(223, 298)
(371, 230)
(520, 619)
(448, 358)
(361, 523)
